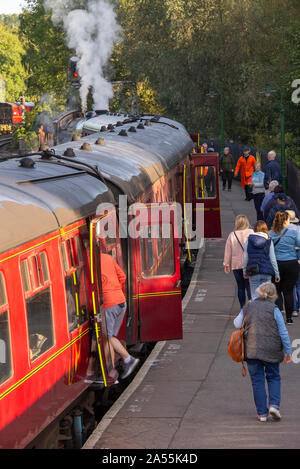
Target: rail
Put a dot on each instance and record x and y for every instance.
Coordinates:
(5, 141)
(62, 121)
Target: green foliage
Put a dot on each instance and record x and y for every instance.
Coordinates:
(11, 68)
(47, 56)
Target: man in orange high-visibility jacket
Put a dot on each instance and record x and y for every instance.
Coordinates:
(246, 164)
(114, 303)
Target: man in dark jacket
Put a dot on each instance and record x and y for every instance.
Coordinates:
(227, 165)
(281, 206)
(273, 202)
(272, 170)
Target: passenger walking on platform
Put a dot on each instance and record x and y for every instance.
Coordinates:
(260, 257)
(272, 170)
(234, 255)
(294, 225)
(281, 206)
(285, 243)
(245, 165)
(273, 202)
(258, 189)
(269, 193)
(267, 344)
(227, 165)
(114, 303)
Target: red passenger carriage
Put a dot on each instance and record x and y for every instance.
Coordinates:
(50, 289)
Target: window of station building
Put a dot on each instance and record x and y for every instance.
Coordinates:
(205, 182)
(157, 254)
(75, 282)
(37, 288)
(5, 344)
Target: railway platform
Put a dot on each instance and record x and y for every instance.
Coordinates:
(189, 394)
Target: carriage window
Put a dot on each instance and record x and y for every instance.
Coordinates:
(5, 346)
(40, 325)
(36, 283)
(157, 254)
(75, 282)
(205, 182)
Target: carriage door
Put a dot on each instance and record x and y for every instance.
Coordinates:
(206, 192)
(158, 272)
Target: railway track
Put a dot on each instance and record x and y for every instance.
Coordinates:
(5, 141)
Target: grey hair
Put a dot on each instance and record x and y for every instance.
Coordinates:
(272, 154)
(273, 184)
(267, 291)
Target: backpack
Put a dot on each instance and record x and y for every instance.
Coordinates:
(236, 346)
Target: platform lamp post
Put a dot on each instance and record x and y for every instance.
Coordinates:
(212, 94)
(267, 91)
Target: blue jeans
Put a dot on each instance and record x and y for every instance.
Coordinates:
(243, 286)
(256, 280)
(259, 371)
(297, 294)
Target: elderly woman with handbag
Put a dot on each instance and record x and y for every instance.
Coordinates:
(266, 345)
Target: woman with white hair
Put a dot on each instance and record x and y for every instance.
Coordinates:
(267, 344)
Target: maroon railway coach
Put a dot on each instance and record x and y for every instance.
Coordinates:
(50, 287)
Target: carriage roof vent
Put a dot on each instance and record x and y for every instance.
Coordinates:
(100, 141)
(132, 129)
(140, 126)
(123, 133)
(69, 152)
(86, 147)
(76, 138)
(119, 124)
(103, 128)
(27, 163)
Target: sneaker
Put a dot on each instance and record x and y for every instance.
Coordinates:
(262, 418)
(274, 413)
(93, 379)
(289, 322)
(295, 314)
(128, 368)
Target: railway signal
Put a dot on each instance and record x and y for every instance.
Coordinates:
(74, 75)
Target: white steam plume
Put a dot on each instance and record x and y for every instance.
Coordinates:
(92, 32)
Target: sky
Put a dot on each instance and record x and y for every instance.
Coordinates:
(11, 6)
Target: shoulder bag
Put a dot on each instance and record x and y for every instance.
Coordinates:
(236, 347)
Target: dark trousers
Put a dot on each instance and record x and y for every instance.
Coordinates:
(227, 176)
(248, 192)
(288, 271)
(258, 198)
(243, 286)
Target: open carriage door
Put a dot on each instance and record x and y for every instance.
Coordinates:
(158, 271)
(206, 192)
(102, 345)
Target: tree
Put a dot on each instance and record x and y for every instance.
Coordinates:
(11, 69)
(47, 57)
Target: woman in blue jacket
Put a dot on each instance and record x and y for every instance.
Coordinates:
(259, 251)
(285, 243)
(258, 190)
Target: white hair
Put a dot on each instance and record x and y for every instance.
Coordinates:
(267, 291)
(272, 155)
